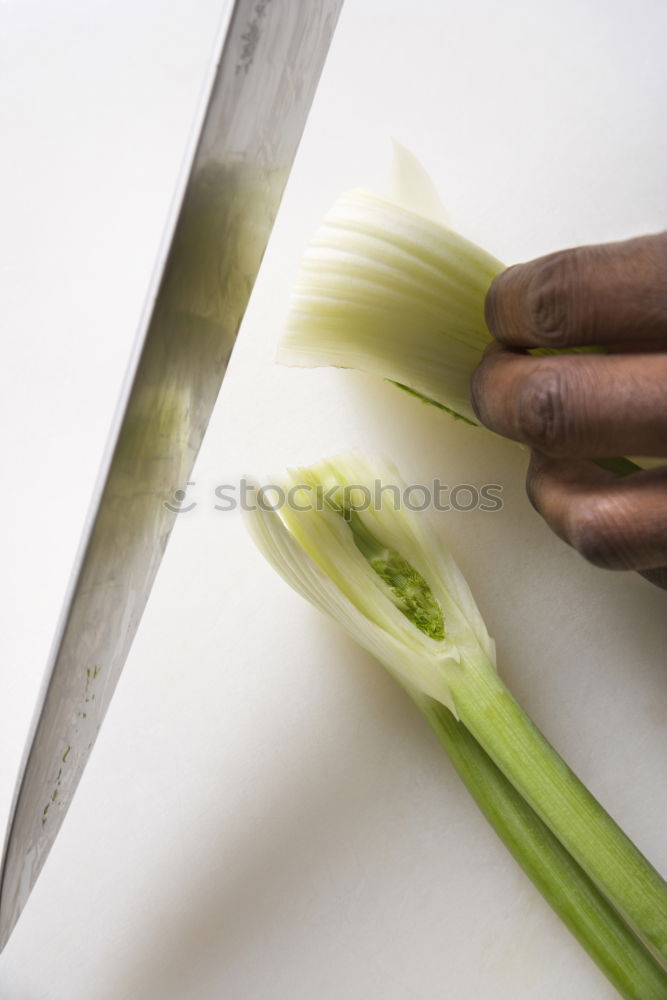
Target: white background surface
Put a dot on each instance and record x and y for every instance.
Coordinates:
(265, 816)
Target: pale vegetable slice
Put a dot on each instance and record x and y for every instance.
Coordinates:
(389, 291)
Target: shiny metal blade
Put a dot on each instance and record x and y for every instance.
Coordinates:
(270, 57)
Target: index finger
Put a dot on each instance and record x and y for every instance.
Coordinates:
(591, 295)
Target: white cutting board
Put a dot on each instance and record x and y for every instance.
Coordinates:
(265, 817)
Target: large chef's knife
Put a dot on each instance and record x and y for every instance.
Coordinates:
(268, 61)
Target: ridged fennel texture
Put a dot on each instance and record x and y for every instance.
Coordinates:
(345, 542)
(387, 287)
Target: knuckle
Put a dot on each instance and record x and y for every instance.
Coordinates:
(542, 414)
(554, 298)
(597, 531)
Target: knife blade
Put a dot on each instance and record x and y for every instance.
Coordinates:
(269, 56)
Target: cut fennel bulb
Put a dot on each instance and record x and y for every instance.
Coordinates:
(386, 287)
(345, 542)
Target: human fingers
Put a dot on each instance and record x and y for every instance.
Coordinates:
(615, 523)
(575, 404)
(601, 294)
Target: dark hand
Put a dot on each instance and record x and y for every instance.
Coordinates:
(570, 408)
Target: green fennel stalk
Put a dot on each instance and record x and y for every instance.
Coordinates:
(568, 890)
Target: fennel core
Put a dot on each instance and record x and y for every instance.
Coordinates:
(409, 590)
